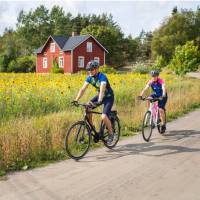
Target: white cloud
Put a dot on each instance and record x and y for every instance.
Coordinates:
(132, 16)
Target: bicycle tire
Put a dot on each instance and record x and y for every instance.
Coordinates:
(81, 138)
(145, 136)
(115, 124)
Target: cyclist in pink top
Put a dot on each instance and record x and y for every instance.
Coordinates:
(159, 91)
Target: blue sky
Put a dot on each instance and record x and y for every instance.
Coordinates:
(132, 16)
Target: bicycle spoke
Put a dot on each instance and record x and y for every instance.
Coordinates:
(77, 140)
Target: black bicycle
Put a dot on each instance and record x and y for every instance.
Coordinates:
(80, 134)
(151, 118)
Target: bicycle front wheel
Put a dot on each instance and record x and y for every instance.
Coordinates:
(147, 126)
(77, 140)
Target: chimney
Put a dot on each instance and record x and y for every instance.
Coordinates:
(74, 33)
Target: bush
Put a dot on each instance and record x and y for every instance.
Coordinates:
(107, 69)
(185, 58)
(142, 69)
(4, 61)
(56, 69)
(22, 64)
(160, 63)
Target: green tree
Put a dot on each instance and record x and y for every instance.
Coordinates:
(144, 45)
(59, 23)
(175, 30)
(185, 58)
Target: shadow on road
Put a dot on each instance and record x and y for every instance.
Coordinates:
(155, 148)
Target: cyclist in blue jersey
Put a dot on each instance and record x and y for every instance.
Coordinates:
(105, 94)
(159, 91)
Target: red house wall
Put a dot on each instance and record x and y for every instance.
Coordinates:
(50, 56)
(81, 50)
(67, 62)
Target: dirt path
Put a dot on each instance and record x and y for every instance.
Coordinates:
(165, 168)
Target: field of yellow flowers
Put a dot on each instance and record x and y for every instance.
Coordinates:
(35, 111)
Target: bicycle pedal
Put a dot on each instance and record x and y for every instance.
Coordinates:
(96, 138)
(153, 126)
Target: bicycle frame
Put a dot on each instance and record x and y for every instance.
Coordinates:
(153, 108)
(92, 128)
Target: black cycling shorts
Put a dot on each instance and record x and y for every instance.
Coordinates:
(107, 102)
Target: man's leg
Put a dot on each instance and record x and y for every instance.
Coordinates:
(93, 100)
(108, 103)
(107, 122)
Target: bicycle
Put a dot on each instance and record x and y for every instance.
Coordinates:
(79, 135)
(151, 118)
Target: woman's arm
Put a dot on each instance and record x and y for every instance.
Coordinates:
(144, 90)
(164, 89)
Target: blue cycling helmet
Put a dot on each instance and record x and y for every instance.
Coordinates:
(92, 65)
(154, 73)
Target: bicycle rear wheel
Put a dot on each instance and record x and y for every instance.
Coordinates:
(77, 140)
(147, 126)
(159, 123)
(116, 131)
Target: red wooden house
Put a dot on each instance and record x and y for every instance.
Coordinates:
(71, 53)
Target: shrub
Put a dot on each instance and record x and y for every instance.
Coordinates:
(22, 64)
(185, 58)
(141, 69)
(108, 69)
(56, 69)
(160, 63)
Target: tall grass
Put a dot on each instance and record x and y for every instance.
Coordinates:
(32, 127)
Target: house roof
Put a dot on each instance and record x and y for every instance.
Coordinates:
(68, 43)
(73, 42)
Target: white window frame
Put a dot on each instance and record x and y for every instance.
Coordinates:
(89, 47)
(61, 62)
(97, 59)
(44, 62)
(83, 58)
(52, 47)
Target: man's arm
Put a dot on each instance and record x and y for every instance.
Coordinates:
(102, 91)
(82, 91)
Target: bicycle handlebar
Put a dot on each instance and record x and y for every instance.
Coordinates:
(82, 104)
(150, 99)
(87, 106)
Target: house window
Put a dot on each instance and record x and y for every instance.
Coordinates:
(52, 47)
(81, 62)
(44, 63)
(97, 59)
(89, 46)
(61, 62)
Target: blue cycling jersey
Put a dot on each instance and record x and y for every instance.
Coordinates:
(96, 82)
(157, 86)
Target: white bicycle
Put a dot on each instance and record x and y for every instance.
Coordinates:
(151, 118)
